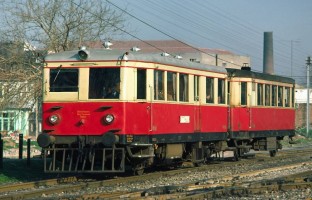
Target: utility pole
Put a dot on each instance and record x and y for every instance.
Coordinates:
(308, 94)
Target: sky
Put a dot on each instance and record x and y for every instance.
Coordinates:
(234, 25)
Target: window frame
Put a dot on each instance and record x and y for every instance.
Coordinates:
(159, 85)
(244, 92)
(209, 90)
(58, 74)
(184, 93)
(221, 90)
(140, 79)
(104, 83)
(172, 92)
(260, 94)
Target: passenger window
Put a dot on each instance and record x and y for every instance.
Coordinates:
(209, 90)
(274, 95)
(141, 84)
(267, 95)
(260, 94)
(159, 85)
(104, 83)
(196, 88)
(287, 97)
(280, 96)
(221, 91)
(171, 86)
(243, 93)
(63, 80)
(183, 96)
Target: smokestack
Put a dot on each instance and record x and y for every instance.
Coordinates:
(268, 66)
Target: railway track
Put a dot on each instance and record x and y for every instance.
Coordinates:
(70, 184)
(226, 186)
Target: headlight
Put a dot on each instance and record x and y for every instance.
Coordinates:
(54, 119)
(83, 53)
(109, 118)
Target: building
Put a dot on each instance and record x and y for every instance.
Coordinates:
(301, 106)
(17, 108)
(18, 84)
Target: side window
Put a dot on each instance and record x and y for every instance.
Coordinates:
(274, 95)
(104, 83)
(267, 95)
(159, 85)
(287, 97)
(183, 96)
(209, 90)
(63, 80)
(141, 84)
(171, 86)
(243, 93)
(280, 96)
(221, 91)
(260, 94)
(8, 120)
(196, 88)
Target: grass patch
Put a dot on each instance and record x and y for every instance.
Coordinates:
(16, 170)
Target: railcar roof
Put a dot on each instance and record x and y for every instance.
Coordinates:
(257, 75)
(111, 55)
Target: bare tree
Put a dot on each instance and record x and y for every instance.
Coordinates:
(59, 25)
(20, 78)
(31, 28)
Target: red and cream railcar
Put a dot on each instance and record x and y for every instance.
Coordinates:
(130, 108)
(261, 110)
(110, 111)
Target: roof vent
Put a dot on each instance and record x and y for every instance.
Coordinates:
(178, 57)
(245, 67)
(83, 53)
(194, 60)
(165, 54)
(107, 44)
(135, 49)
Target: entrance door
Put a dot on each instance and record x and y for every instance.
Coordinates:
(197, 110)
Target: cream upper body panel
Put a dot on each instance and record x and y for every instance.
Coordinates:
(128, 63)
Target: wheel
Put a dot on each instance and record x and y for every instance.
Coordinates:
(199, 164)
(138, 172)
(236, 155)
(138, 169)
(272, 153)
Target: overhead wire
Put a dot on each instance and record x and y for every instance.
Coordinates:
(227, 34)
(168, 35)
(200, 24)
(120, 29)
(200, 18)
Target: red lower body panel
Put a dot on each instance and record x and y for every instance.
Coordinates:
(262, 119)
(86, 118)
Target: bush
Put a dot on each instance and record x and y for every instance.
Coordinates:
(303, 131)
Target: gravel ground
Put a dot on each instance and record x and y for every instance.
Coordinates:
(193, 176)
(284, 195)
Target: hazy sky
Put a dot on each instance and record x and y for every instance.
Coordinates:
(235, 25)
